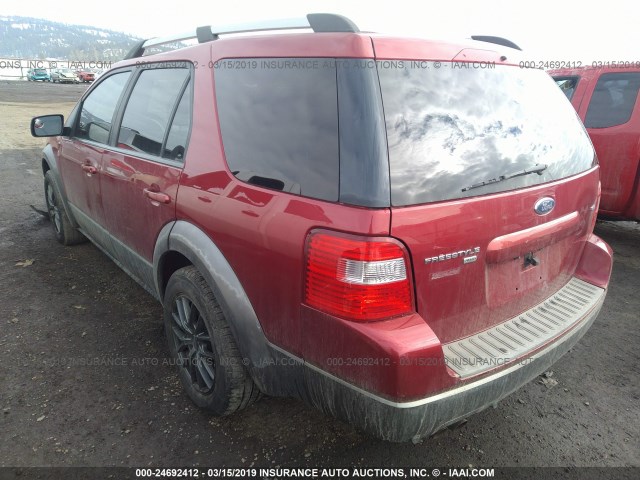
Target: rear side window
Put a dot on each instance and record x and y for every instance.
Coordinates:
(567, 85)
(98, 108)
(279, 123)
(153, 103)
(451, 127)
(613, 100)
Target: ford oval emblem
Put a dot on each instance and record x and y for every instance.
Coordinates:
(544, 206)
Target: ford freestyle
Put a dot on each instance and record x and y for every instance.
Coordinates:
(606, 99)
(398, 231)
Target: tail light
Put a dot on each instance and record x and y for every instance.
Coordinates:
(360, 279)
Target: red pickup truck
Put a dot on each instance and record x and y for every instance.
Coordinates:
(606, 99)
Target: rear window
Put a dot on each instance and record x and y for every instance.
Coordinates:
(451, 126)
(613, 100)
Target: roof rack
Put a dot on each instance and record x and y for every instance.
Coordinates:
(497, 40)
(318, 22)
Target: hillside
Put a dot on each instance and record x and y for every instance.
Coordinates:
(25, 37)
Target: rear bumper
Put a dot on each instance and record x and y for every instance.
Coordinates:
(396, 347)
(403, 421)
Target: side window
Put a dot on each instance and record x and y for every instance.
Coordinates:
(567, 85)
(176, 143)
(613, 100)
(150, 108)
(279, 124)
(97, 109)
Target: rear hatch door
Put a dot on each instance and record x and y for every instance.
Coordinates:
(493, 188)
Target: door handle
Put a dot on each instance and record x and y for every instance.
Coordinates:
(157, 196)
(89, 169)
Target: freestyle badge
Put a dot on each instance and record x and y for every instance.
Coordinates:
(469, 255)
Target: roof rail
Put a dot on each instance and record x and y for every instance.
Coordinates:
(318, 22)
(497, 40)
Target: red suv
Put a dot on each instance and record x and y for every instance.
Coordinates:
(606, 99)
(398, 231)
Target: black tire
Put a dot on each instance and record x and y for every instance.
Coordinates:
(209, 363)
(66, 234)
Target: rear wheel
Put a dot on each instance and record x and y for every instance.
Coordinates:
(210, 366)
(66, 234)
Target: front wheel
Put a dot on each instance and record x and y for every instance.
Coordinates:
(66, 234)
(209, 363)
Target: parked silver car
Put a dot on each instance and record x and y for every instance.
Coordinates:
(64, 75)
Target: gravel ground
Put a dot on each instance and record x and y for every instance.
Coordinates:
(85, 378)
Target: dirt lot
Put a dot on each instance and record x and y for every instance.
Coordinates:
(85, 380)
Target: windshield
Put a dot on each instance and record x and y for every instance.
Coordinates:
(451, 125)
(40, 71)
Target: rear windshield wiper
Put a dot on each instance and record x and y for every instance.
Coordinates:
(538, 168)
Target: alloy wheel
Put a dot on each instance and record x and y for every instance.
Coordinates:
(52, 208)
(193, 344)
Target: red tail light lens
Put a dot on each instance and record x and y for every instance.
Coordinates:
(356, 278)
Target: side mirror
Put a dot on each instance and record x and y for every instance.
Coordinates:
(47, 126)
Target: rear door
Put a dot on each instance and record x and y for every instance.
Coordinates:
(493, 187)
(612, 118)
(142, 169)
